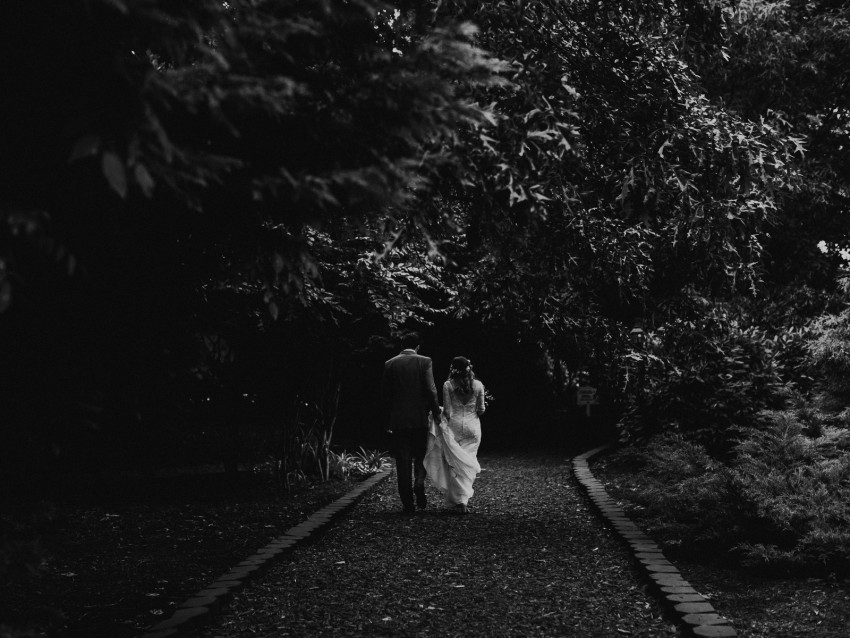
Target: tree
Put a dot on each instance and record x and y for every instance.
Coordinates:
(785, 61)
(612, 186)
(177, 169)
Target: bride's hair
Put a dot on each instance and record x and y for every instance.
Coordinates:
(460, 371)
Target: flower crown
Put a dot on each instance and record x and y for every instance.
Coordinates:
(453, 370)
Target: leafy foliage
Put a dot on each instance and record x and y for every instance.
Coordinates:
(193, 170)
(182, 189)
(710, 374)
(779, 504)
(829, 353)
(361, 463)
(784, 60)
(214, 212)
(611, 184)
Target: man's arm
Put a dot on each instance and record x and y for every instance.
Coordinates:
(431, 389)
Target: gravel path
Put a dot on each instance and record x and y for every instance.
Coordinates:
(531, 559)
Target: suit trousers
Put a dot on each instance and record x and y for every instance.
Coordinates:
(409, 447)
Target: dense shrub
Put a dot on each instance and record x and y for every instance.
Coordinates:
(708, 376)
(799, 484)
(686, 498)
(780, 503)
(829, 356)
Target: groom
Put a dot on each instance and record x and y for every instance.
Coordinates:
(409, 393)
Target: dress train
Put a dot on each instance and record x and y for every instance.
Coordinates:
(450, 466)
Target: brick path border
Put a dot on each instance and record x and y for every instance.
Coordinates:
(199, 608)
(695, 615)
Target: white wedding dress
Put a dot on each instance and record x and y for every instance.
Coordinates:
(451, 460)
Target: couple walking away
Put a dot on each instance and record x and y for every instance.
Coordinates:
(442, 444)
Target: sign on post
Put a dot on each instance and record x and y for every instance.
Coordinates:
(586, 396)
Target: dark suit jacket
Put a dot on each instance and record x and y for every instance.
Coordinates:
(408, 391)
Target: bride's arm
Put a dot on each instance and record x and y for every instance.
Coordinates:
(480, 405)
(447, 401)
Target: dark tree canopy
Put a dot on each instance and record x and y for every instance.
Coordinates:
(180, 174)
(176, 175)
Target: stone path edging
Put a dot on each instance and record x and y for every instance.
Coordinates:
(199, 608)
(696, 615)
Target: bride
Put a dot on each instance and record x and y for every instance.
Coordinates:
(451, 459)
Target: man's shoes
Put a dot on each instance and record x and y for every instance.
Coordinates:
(421, 500)
(408, 510)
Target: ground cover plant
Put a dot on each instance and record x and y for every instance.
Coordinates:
(767, 580)
(117, 554)
(779, 504)
(756, 468)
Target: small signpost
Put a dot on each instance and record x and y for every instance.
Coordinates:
(586, 396)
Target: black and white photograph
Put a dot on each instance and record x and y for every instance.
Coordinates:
(424, 318)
